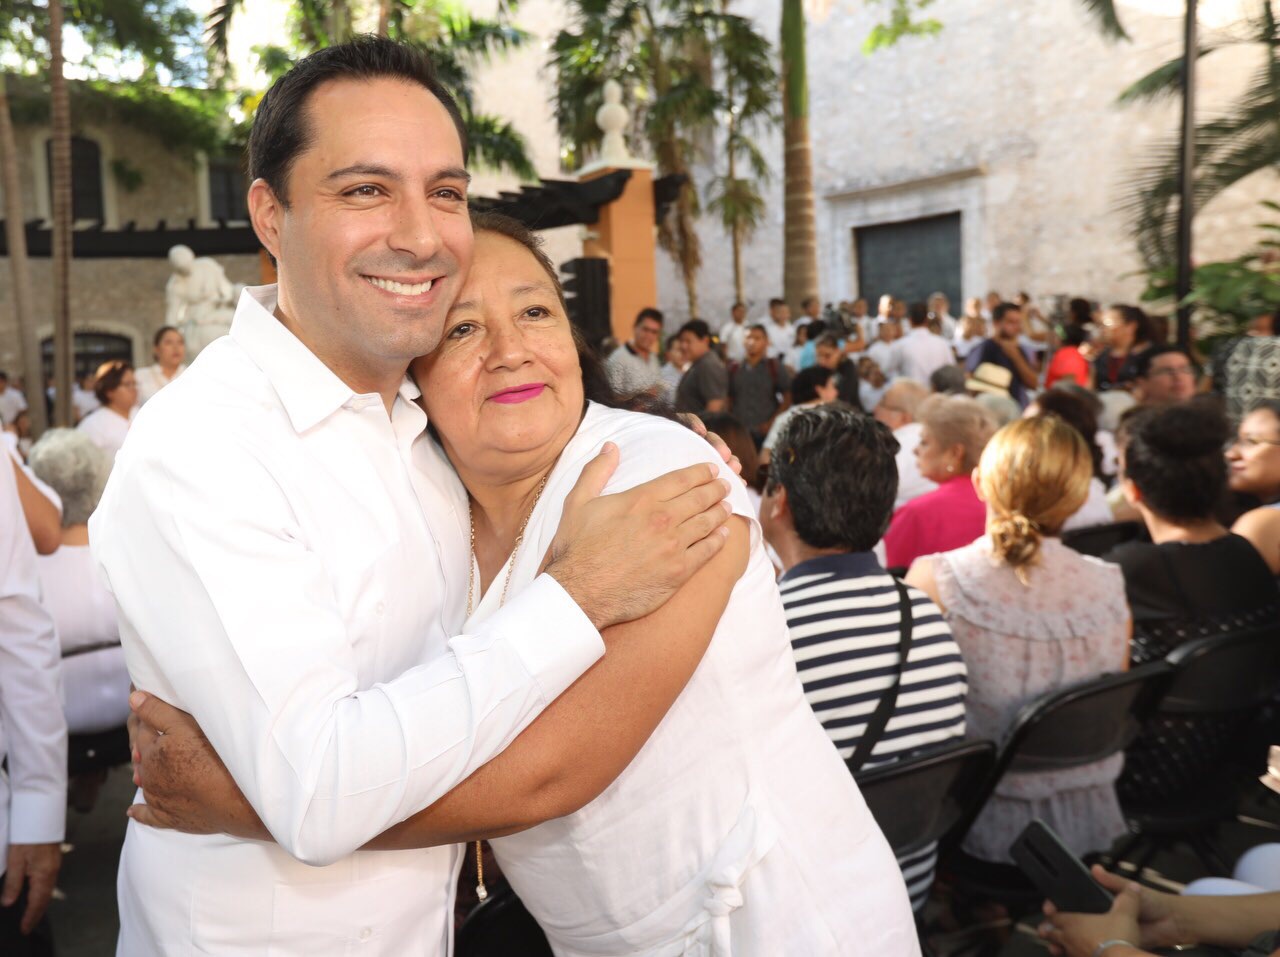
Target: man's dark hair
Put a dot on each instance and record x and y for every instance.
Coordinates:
(1173, 454)
(814, 329)
(282, 124)
(1079, 312)
(1074, 334)
(1002, 310)
(804, 303)
(918, 314)
(948, 380)
(4, 376)
(648, 312)
(773, 303)
(1142, 361)
(758, 327)
(697, 328)
(828, 339)
(804, 387)
(838, 468)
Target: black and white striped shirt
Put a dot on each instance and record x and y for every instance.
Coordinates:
(844, 619)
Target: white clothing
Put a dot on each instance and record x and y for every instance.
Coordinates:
(870, 396)
(10, 443)
(631, 372)
(1095, 510)
(84, 401)
(94, 674)
(733, 336)
(151, 380)
(288, 570)
(33, 733)
(882, 353)
(964, 346)
(947, 326)
(107, 429)
(782, 339)
(1110, 451)
(12, 401)
(911, 484)
(737, 830)
(918, 354)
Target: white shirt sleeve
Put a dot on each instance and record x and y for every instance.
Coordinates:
(221, 598)
(33, 731)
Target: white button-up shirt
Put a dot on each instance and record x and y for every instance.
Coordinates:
(33, 732)
(286, 571)
(918, 354)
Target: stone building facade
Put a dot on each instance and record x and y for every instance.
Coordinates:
(140, 182)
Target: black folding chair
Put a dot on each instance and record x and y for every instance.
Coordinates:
(1065, 729)
(918, 800)
(1213, 678)
(501, 927)
(1097, 540)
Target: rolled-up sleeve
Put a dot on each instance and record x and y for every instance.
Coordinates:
(229, 614)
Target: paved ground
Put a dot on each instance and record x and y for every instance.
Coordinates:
(85, 921)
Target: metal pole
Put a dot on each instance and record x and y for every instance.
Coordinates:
(1186, 175)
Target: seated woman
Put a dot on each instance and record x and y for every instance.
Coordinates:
(1193, 579)
(1032, 616)
(954, 431)
(1079, 414)
(1253, 469)
(95, 679)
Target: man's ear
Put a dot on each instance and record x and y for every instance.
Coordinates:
(266, 212)
(1132, 495)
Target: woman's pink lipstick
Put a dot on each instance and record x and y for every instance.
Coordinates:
(521, 393)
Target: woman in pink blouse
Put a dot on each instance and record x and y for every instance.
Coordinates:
(954, 431)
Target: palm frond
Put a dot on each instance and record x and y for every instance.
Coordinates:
(1107, 17)
(494, 143)
(1164, 81)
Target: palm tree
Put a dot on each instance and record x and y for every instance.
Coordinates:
(19, 267)
(60, 178)
(800, 232)
(669, 52)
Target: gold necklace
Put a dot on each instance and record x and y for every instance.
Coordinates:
(482, 892)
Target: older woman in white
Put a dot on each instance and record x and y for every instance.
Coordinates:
(737, 829)
(94, 675)
(169, 350)
(116, 387)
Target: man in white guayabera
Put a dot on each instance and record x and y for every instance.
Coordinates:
(283, 569)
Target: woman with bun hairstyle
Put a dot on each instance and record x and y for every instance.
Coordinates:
(1032, 616)
(1195, 578)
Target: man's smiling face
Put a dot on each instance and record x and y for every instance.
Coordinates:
(372, 237)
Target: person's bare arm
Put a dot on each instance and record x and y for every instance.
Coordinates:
(571, 753)
(920, 575)
(1024, 369)
(42, 516)
(1262, 528)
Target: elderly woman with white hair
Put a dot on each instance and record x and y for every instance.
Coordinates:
(95, 679)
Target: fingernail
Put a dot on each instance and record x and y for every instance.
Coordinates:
(727, 507)
(137, 700)
(724, 483)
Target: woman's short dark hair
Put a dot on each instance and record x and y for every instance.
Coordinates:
(740, 443)
(1141, 322)
(282, 124)
(162, 332)
(1079, 312)
(805, 386)
(1173, 454)
(1266, 405)
(1078, 413)
(108, 378)
(1075, 334)
(838, 467)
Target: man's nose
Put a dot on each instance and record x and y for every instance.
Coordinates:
(414, 229)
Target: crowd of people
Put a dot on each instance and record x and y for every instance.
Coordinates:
(361, 643)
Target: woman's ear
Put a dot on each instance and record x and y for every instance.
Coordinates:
(976, 477)
(1131, 493)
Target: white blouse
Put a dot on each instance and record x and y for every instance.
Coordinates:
(107, 429)
(737, 829)
(151, 379)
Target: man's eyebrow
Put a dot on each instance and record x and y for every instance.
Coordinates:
(385, 172)
(452, 172)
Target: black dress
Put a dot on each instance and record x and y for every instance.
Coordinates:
(1179, 592)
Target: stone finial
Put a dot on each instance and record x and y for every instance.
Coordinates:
(613, 118)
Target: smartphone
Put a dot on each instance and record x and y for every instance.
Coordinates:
(1057, 873)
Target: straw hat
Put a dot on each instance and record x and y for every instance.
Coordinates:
(989, 377)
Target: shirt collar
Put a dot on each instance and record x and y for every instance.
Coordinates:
(844, 565)
(308, 389)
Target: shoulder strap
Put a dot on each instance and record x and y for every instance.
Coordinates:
(879, 719)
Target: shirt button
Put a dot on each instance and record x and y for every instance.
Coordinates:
(366, 933)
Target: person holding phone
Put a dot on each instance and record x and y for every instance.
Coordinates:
(1142, 920)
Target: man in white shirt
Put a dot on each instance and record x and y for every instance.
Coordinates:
(881, 350)
(733, 334)
(940, 312)
(33, 737)
(897, 409)
(288, 569)
(12, 401)
(920, 352)
(633, 366)
(782, 334)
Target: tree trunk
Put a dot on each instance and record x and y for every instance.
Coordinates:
(735, 232)
(19, 267)
(384, 17)
(60, 174)
(800, 234)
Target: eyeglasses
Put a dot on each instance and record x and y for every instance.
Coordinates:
(1170, 372)
(1248, 442)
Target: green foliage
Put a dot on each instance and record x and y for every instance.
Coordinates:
(127, 175)
(1227, 296)
(902, 22)
(1105, 13)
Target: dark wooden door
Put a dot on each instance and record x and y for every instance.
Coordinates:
(910, 260)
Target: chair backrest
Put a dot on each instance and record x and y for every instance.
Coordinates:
(917, 800)
(1224, 674)
(501, 927)
(1097, 540)
(1084, 723)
